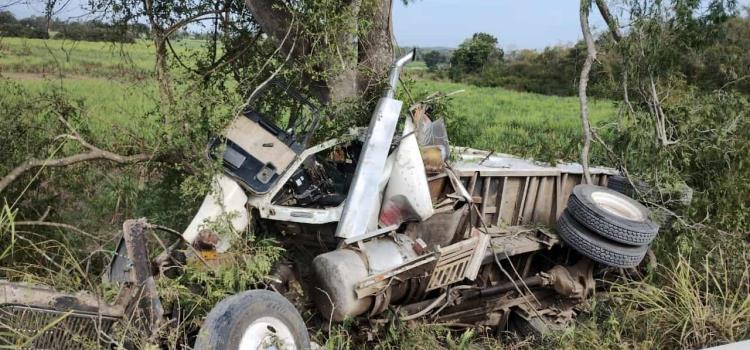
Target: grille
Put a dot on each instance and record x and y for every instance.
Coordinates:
(458, 261)
(24, 327)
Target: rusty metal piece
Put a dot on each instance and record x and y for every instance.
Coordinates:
(437, 186)
(432, 156)
(143, 298)
(419, 246)
(35, 317)
(206, 240)
(517, 240)
(64, 317)
(575, 281)
(440, 229)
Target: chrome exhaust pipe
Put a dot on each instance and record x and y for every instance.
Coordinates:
(396, 72)
(363, 201)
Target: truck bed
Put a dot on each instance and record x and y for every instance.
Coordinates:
(513, 191)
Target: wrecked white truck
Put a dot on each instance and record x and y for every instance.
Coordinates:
(407, 223)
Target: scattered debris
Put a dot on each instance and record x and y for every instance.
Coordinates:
(399, 224)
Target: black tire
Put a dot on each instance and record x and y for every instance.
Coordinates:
(619, 184)
(535, 327)
(598, 248)
(636, 229)
(225, 325)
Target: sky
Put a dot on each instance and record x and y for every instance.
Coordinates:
(518, 24)
(532, 24)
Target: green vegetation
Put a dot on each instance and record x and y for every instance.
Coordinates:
(723, 61)
(696, 130)
(118, 61)
(525, 124)
(506, 121)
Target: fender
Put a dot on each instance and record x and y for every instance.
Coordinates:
(226, 197)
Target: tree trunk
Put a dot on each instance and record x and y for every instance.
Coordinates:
(162, 70)
(376, 46)
(361, 60)
(161, 67)
(583, 84)
(343, 85)
(609, 19)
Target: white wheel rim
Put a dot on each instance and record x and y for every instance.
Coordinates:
(617, 206)
(267, 333)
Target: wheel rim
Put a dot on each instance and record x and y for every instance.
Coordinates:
(267, 333)
(617, 206)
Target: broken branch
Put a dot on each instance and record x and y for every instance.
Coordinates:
(94, 153)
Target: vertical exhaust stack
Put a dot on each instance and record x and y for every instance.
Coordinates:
(363, 200)
(396, 72)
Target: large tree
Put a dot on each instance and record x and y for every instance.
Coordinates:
(358, 36)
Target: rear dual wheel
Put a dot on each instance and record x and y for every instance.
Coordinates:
(612, 215)
(606, 226)
(596, 247)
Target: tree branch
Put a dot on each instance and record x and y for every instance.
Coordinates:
(94, 153)
(583, 84)
(275, 20)
(609, 19)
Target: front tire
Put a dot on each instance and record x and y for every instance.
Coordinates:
(256, 319)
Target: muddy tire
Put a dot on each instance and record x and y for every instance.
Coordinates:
(612, 215)
(596, 247)
(256, 319)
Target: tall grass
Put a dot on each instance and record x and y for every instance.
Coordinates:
(692, 307)
(686, 304)
(7, 231)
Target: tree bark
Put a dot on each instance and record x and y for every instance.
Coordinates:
(376, 46)
(361, 59)
(344, 85)
(161, 66)
(609, 19)
(582, 86)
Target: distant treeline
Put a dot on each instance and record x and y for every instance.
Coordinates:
(91, 30)
(554, 71)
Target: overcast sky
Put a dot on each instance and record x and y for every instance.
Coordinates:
(517, 24)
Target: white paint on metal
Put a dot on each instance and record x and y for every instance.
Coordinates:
(469, 160)
(407, 196)
(363, 193)
(267, 333)
(226, 198)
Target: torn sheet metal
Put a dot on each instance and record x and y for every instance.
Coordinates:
(407, 197)
(363, 193)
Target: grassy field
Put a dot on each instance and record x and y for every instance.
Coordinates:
(506, 121)
(101, 75)
(98, 59)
